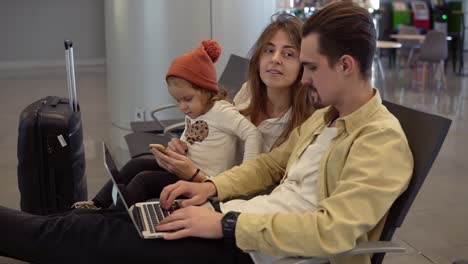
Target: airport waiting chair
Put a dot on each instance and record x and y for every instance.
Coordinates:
(152, 132)
(408, 47)
(426, 134)
(161, 132)
(138, 142)
(434, 51)
(234, 75)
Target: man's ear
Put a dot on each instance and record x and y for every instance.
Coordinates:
(348, 64)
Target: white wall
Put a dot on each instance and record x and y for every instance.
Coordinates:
(237, 24)
(142, 38)
(32, 32)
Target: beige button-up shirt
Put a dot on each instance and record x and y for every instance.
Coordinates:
(367, 166)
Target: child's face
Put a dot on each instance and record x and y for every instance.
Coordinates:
(191, 101)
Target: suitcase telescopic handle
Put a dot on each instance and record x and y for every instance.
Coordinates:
(71, 75)
(68, 44)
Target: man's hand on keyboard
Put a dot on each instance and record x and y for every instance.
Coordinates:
(197, 193)
(192, 221)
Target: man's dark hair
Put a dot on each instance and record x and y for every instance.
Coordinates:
(344, 29)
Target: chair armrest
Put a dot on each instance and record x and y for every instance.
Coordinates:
(138, 142)
(147, 126)
(173, 127)
(301, 260)
(153, 113)
(374, 247)
(361, 249)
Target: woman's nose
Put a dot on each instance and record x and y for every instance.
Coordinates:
(277, 57)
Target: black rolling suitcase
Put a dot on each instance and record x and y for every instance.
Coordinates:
(51, 160)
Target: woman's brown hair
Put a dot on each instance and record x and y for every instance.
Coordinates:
(300, 101)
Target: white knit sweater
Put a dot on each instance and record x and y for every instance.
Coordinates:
(217, 152)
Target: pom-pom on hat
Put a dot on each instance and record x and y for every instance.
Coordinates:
(197, 66)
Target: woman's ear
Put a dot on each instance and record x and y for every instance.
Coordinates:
(348, 64)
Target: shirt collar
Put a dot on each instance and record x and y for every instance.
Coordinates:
(358, 117)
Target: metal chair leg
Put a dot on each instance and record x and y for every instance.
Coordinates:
(433, 76)
(442, 73)
(410, 56)
(423, 77)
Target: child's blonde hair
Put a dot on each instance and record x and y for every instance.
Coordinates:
(213, 95)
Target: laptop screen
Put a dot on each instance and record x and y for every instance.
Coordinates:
(114, 173)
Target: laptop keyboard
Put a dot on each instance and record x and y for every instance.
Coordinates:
(155, 214)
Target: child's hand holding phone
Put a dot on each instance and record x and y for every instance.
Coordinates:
(160, 148)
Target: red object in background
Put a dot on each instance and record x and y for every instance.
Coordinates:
(425, 24)
(421, 14)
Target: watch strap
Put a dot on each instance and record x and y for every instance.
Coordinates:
(228, 224)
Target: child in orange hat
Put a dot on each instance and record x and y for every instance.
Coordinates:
(213, 126)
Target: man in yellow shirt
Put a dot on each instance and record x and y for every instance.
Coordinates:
(335, 178)
(366, 166)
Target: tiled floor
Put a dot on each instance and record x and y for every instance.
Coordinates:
(435, 230)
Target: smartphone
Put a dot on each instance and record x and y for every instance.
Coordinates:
(159, 147)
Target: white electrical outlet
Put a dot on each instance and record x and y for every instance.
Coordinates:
(140, 114)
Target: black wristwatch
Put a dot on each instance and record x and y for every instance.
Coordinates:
(228, 224)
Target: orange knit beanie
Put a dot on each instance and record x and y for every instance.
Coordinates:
(197, 66)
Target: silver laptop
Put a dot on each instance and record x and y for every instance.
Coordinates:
(146, 215)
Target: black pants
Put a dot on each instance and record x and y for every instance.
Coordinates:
(100, 236)
(143, 179)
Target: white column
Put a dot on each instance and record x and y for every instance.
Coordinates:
(142, 38)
